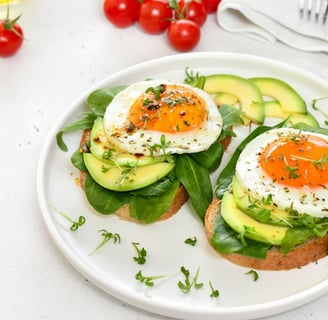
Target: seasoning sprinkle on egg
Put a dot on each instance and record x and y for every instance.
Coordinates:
(187, 116)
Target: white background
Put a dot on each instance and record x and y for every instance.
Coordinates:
(69, 47)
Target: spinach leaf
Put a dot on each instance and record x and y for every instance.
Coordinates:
(99, 99)
(103, 200)
(156, 189)
(231, 116)
(305, 127)
(225, 177)
(211, 158)
(77, 160)
(84, 122)
(97, 102)
(196, 180)
(149, 209)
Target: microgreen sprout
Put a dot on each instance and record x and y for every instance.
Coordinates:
(149, 280)
(157, 91)
(75, 224)
(214, 292)
(317, 163)
(163, 145)
(254, 274)
(126, 173)
(141, 254)
(292, 171)
(194, 79)
(106, 237)
(186, 286)
(191, 241)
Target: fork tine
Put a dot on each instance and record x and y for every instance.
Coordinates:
(317, 10)
(301, 7)
(309, 8)
(325, 15)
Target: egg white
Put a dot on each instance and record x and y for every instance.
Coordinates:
(139, 142)
(258, 184)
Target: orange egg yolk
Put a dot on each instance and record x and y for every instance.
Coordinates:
(167, 109)
(297, 160)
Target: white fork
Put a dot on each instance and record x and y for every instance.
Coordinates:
(314, 9)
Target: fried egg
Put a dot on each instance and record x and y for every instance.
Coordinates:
(289, 165)
(155, 117)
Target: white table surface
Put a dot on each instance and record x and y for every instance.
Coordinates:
(69, 47)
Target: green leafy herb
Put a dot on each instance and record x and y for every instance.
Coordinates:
(126, 173)
(254, 274)
(194, 79)
(157, 91)
(75, 224)
(292, 172)
(149, 209)
(149, 280)
(106, 237)
(84, 122)
(187, 285)
(77, 160)
(99, 99)
(141, 254)
(214, 292)
(162, 146)
(196, 180)
(97, 103)
(191, 241)
(318, 163)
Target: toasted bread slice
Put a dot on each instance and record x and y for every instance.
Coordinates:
(301, 255)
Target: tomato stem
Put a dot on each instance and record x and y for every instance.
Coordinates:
(10, 24)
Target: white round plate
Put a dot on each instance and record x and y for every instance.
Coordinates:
(113, 269)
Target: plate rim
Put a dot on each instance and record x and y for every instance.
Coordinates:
(254, 310)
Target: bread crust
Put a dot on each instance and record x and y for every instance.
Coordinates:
(301, 255)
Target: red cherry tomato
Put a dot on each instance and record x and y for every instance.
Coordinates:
(194, 10)
(155, 16)
(211, 5)
(183, 34)
(11, 37)
(121, 13)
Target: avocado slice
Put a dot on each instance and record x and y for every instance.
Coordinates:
(247, 226)
(101, 148)
(249, 96)
(273, 109)
(117, 178)
(258, 210)
(225, 98)
(289, 98)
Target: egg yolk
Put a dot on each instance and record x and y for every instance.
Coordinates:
(297, 161)
(167, 109)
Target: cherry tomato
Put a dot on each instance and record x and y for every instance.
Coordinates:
(11, 36)
(211, 5)
(155, 16)
(194, 10)
(183, 34)
(121, 13)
